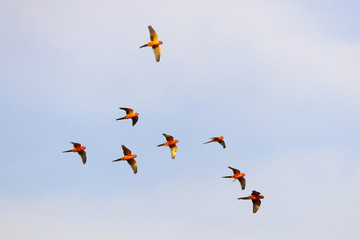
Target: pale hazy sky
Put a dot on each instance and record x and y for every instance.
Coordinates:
(279, 79)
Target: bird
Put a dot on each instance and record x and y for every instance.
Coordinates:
(154, 43)
(129, 158)
(130, 114)
(79, 149)
(255, 198)
(171, 143)
(238, 176)
(217, 139)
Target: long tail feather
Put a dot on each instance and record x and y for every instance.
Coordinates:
(68, 151)
(227, 177)
(245, 198)
(163, 144)
(145, 45)
(121, 118)
(118, 160)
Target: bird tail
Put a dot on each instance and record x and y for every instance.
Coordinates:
(163, 144)
(121, 118)
(208, 142)
(118, 159)
(228, 177)
(68, 151)
(145, 45)
(245, 198)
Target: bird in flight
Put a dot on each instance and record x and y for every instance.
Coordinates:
(129, 158)
(238, 176)
(255, 198)
(171, 143)
(154, 43)
(217, 139)
(79, 149)
(130, 114)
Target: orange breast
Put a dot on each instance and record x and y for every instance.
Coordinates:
(169, 143)
(131, 115)
(239, 175)
(78, 149)
(153, 43)
(127, 157)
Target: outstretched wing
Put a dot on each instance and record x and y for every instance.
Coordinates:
(242, 182)
(256, 205)
(126, 150)
(134, 120)
(173, 151)
(255, 193)
(153, 35)
(76, 145)
(133, 165)
(168, 137)
(222, 143)
(157, 52)
(235, 171)
(128, 110)
(83, 156)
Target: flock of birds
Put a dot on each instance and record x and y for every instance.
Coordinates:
(170, 141)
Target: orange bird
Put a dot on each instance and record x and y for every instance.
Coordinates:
(217, 139)
(154, 43)
(255, 198)
(238, 176)
(129, 158)
(79, 149)
(171, 143)
(130, 114)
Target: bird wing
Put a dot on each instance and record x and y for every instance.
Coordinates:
(126, 150)
(222, 143)
(153, 35)
(134, 120)
(242, 182)
(133, 165)
(76, 145)
(157, 52)
(235, 171)
(168, 137)
(128, 110)
(256, 204)
(173, 151)
(255, 193)
(83, 156)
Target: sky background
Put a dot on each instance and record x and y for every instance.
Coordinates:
(278, 79)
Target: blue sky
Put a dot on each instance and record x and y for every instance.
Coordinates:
(278, 79)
